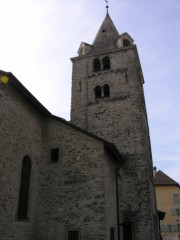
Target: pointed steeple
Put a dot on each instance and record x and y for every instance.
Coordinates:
(106, 37)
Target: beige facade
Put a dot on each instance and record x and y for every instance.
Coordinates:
(168, 201)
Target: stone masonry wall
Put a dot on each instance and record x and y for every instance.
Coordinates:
(121, 119)
(74, 193)
(20, 135)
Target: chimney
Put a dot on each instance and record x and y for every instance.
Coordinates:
(154, 171)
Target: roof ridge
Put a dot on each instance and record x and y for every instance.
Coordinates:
(163, 179)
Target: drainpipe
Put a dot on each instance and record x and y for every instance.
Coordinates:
(117, 203)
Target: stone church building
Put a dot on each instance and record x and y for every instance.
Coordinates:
(90, 178)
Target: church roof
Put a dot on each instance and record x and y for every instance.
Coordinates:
(14, 82)
(26, 94)
(161, 179)
(106, 36)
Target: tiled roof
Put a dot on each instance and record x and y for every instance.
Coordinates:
(162, 179)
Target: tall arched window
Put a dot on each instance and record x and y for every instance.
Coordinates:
(106, 90)
(106, 63)
(96, 65)
(126, 42)
(97, 92)
(24, 189)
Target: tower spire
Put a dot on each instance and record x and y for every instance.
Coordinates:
(107, 5)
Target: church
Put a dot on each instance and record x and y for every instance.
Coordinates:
(90, 178)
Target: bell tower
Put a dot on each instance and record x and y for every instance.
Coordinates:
(107, 89)
(108, 101)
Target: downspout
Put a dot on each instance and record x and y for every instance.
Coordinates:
(117, 203)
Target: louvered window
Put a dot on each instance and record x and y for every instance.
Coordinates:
(176, 199)
(177, 211)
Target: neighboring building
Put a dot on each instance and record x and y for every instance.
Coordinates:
(168, 201)
(90, 178)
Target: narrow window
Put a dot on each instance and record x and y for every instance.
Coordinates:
(97, 92)
(54, 154)
(127, 232)
(96, 65)
(112, 234)
(106, 90)
(126, 42)
(106, 63)
(24, 189)
(73, 235)
(178, 212)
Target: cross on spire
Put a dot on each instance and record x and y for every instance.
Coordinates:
(107, 5)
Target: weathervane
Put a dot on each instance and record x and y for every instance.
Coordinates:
(107, 5)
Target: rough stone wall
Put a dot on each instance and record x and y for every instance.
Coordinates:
(111, 195)
(121, 114)
(73, 192)
(76, 193)
(79, 88)
(20, 135)
(120, 118)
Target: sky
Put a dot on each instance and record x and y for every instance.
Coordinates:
(38, 38)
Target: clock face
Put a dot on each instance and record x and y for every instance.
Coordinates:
(102, 112)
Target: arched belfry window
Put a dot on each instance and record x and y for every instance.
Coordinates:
(106, 90)
(96, 65)
(126, 42)
(24, 189)
(106, 63)
(97, 92)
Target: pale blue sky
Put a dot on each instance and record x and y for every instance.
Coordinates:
(38, 38)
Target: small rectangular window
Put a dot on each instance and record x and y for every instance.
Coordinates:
(112, 234)
(73, 235)
(54, 154)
